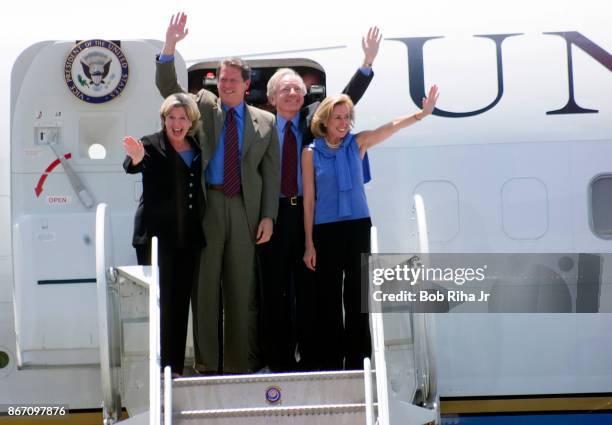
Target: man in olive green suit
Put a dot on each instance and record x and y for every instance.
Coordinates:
(241, 161)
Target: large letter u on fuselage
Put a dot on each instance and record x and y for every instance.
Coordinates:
(417, 77)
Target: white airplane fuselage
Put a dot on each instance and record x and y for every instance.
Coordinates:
(508, 163)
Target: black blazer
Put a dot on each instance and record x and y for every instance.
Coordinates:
(172, 202)
(354, 89)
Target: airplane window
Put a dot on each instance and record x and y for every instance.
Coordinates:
(601, 206)
(96, 151)
(4, 359)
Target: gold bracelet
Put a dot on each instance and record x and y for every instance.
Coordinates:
(416, 117)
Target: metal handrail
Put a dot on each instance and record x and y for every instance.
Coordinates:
(111, 403)
(369, 400)
(154, 340)
(421, 220)
(378, 339)
(424, 321)
(424, 353)
(108, 313)
(167, 396)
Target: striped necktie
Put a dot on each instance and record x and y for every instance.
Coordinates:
(231, 160)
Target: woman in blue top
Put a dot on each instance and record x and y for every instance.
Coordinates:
(337, 225)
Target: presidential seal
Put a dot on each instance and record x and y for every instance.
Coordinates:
(273, 394)
(96, 71)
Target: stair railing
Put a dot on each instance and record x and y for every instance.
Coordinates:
(167, 396)
(424, 324)
(378, 345)
(369, 399)
(110, 282)
(393, 408)
(108, 313)
(154, 340)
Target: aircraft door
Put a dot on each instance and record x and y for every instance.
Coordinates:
(71, 105)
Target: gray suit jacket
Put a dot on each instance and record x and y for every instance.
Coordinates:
(260, 157)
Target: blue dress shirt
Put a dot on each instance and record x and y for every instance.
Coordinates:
(187, 156)
(165, 58)
(214, 170)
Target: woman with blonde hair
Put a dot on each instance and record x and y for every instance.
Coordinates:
(337, 225)
(171, 208)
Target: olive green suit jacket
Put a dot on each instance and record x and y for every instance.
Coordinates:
(260, 156)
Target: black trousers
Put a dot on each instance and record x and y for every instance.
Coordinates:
(343, 340)
(285, 295)
(178, 269)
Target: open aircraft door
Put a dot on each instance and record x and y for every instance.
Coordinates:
(71, 105)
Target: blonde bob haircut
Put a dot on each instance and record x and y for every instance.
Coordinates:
(324, 112)
(180, 100)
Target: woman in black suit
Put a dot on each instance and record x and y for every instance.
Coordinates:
(171, 208)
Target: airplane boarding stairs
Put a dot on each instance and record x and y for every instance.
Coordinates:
(297, 398)
(401, 390)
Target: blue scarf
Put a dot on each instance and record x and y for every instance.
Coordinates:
(340, 155)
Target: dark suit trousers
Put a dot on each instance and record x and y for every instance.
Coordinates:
(178, 269)
(284, 291)
(343, 340)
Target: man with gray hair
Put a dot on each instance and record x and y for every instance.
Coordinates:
(241, 164)
(286, 304)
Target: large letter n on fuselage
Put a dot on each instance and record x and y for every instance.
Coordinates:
(591, 49)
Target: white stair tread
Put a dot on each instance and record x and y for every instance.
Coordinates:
(276, 377)
(270, 390)
(332, 409)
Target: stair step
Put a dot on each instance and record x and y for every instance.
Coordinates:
(269, 390)
(331, 414)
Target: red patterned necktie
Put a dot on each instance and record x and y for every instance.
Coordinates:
(231, 161)
(289, 185)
